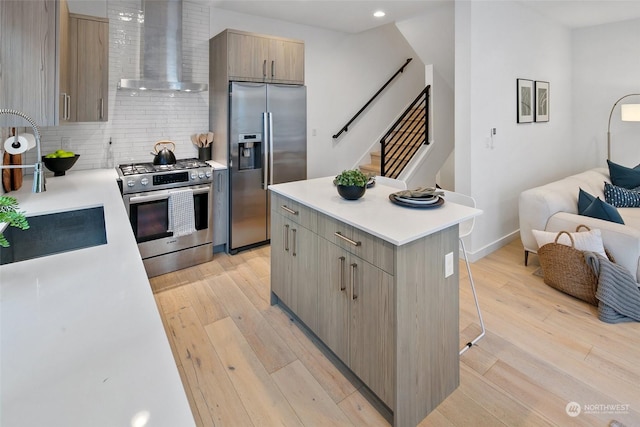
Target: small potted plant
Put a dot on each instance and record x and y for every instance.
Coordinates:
(9, 214)
(351, 184)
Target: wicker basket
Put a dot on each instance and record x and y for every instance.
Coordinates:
(565, 269)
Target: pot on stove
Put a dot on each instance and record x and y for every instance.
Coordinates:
(165, 156)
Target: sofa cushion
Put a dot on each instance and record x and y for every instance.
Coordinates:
(621, 197)
(537, 205)
(583, 240)
(603, 210)
(623, 176)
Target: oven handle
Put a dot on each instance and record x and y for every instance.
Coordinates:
(163, 194)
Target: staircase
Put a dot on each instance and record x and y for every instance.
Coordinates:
(402, 140)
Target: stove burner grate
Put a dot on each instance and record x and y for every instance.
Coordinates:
(143, 168)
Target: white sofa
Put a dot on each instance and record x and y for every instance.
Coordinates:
(554, 207)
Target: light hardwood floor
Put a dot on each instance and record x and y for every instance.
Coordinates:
(246, 363)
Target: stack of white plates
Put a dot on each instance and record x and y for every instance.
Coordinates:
(430, 201)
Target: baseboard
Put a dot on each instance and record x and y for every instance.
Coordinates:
(492, 247)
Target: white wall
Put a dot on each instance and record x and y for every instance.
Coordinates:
(606, 66)
(496, 43)
(432, 36)
(342, 72)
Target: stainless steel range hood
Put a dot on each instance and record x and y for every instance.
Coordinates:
(162, 50)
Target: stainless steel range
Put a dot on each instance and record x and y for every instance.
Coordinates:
(169, 207)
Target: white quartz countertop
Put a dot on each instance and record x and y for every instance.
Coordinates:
(374, 212)
(82, 342)
(216, 166)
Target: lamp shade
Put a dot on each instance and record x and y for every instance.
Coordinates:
(630, 112)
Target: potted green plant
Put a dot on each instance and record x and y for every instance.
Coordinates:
(10, 214)
(351, 184)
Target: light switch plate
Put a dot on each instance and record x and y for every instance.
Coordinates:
(448, 264)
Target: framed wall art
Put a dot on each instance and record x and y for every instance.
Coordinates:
(542, 101)
(525, 101)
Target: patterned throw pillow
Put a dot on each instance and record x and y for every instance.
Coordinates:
(621, 197)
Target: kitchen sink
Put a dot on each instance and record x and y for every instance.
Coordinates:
(55, 233)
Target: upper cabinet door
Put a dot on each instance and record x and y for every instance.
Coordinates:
(286, 61)
(247, 57)
(28, 67)
(89, 68)
(257, 58)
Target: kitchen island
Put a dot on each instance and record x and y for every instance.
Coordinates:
(377, 283)
(82, 341)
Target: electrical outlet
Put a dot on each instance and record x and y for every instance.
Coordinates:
(65, 143)
(448, 264)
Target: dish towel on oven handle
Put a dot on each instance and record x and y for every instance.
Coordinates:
(181, 213)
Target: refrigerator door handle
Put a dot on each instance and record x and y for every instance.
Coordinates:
(265, 163)
(270, 148)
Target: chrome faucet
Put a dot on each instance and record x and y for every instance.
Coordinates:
(39, 184)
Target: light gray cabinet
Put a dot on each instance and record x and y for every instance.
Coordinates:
(294, 279)
(356, 317)
(258, 58)
(88, 69)
(341, 297)
(386, 311)
(220, 210)
(29, 37)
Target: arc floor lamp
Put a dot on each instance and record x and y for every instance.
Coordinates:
(628, 113)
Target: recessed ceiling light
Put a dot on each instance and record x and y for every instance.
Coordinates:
(379, 14)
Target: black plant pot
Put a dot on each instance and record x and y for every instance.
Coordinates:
(351, 192)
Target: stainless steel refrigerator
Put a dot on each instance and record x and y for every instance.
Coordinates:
(267, 145)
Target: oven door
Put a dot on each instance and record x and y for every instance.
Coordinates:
(149, 216)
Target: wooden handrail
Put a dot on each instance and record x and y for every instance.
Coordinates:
(345, 128)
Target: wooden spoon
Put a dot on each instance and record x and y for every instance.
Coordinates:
(194, 139)
(209, 138)
(203, 139)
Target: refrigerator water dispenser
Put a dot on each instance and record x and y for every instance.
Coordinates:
(249, 151)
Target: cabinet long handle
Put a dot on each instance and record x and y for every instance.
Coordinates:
(353, 242)
(264, 68)
(342, 285)
(220, 183)
(286, 237)
(63, 116)
(68, 117)
(273, 69)
(101, 108)
(288, 209)
(65, 106)
(293, 252)
(354, 295)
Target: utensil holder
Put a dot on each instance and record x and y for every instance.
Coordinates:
(204, 153)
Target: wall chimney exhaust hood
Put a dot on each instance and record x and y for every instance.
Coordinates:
(162, 50)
